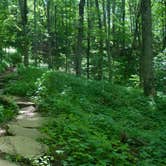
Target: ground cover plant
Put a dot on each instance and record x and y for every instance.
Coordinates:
(98, 123)
(94, 70)
(23, 81)
(8, 109)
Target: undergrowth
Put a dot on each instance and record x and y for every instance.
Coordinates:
(97, 123)
(8, 109)
(22, 83)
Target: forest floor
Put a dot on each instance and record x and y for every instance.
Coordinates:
(88, 122)
(18, 137)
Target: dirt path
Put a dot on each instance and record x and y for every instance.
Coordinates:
(19, 136)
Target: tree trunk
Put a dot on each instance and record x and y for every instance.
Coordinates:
(148, 80)
(123, 22)
(49, 35)
(24, 20)
(100, 59)
(88, 39)
(35, 33)
(113, 21)
(108, 40)
(78, 56)
(164, 26)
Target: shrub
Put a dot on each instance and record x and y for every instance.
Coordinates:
(24, 83)
(97, 123)
(7, 109)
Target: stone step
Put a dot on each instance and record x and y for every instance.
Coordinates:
(3, 132)
(26, 132)
(6, 163)
(22, 146)
(24, 103)
(27, 112)
(30, 122)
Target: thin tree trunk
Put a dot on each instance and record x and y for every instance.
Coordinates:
(88, 38)
(49, 34)
(113, 21)
(35, 33)
(108, 41)
(164, 26)
(100, 59)
(123, 21)
(24, 20)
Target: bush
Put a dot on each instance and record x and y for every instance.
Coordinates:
(94, 122)
(97, 123)
(24, 81)
(160, 70)
(7, 109)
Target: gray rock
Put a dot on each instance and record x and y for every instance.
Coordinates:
(33, 122)
(23, 146)
(24, 103)
(6, 163)
(26, 132)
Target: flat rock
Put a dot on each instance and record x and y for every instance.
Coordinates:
(26, 132)
(27, 109)
(2, 132)
(22, 146)
(27, 112)
(34, 122)
(6, 163)
(24, 103)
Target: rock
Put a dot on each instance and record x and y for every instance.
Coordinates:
(34, 122)
(26, 132)
(24, 103)
(6, 163)
(22, 146)
(30, 122)
(27, 109)
(27, 112)
(2, 132)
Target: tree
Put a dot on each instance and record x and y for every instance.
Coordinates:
(100, 57)
(147, 55)
(78, 55)
(35, 32)
(24, 21)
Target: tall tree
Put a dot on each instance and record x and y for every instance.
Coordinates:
(100, 58)
(35, 32)
(49, 34)
(148, 79)
(24, 21)
(88, 38)
(164, 25)
(78, 56)
(123, 21)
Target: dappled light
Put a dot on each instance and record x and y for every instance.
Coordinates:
(82, 82)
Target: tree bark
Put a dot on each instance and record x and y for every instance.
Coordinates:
(24, 20)
(100, 59)
(88, 38)
(148, 79)
(123, 21)
(78, 56)
(49, 35)
(35, 32)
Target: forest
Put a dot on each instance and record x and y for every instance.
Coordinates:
(82, 82)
